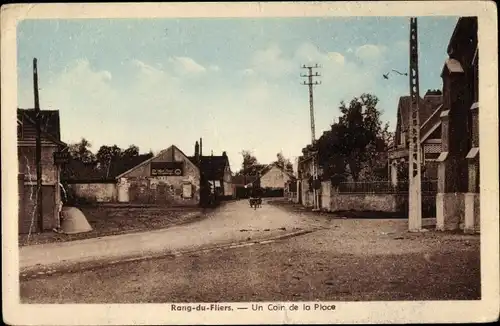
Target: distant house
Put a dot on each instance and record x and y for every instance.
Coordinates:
(169, 178)
(216, 170)
(275, 178)
(27, 176)
(430, 108)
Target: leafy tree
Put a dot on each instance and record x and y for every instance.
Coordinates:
(284, 163)
(330, 157)
(362, 137)
(131, 151)
(106, 155)
(356, 146)
(81, 152)
(248, 160)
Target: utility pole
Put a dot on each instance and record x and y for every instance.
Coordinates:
(38, 154)
(311, 83)
(415, 154)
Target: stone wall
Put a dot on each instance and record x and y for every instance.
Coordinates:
(450, 211)
(95, 192)
(332, 201)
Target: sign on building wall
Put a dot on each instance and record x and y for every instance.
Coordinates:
(167, 169)
(61, 157)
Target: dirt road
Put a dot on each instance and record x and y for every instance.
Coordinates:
(351, 260)
(232, 223)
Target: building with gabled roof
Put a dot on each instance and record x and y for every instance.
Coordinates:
(91, 183)
(430, 107)
(168, 178)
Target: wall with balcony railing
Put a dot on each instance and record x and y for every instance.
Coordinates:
(429, 187)
(378, 196)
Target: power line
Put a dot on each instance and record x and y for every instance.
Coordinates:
(311, 83)
(38, 149)
(415, 156)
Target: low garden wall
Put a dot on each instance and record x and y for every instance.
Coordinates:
(102, 192)
(332, 200)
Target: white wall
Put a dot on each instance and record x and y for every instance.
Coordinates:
(274, 178)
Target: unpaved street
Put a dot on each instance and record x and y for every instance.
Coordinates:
(349, 259)
(233, 222)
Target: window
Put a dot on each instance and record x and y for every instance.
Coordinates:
(187, 190)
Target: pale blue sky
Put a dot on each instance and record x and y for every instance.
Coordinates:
(234, 82)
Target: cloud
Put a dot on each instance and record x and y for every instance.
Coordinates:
(271, 62)
(187, 65)
(154, 104)
(370, 52)
(336, 57)
(214, 68)
(248, 72)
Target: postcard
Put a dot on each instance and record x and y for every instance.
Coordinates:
(250, 162)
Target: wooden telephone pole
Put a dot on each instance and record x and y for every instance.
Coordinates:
(38, 154)
(311, 83)
(415, 154)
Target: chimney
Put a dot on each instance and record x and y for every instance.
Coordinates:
(196, 151)
(201, 148)
(224, 154)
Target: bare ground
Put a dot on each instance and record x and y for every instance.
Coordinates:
(351, 260)
(115, 220)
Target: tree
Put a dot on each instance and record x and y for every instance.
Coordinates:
(106, 155)
(81, 152)
(284, 163)
(131, 151)
(248, 160)
(330, 156)
(361, 136)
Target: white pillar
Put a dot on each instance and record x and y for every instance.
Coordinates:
(394, 173)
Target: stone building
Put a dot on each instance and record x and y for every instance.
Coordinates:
(306, 182)
(430, 108)
(27, 176)
(87, 183)
(169, 178)
(457, 201)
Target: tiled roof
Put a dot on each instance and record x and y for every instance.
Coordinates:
(124, 164)
(77, 170)
(427, 105)
(213, 166)
(49, 120)
(270, 166)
